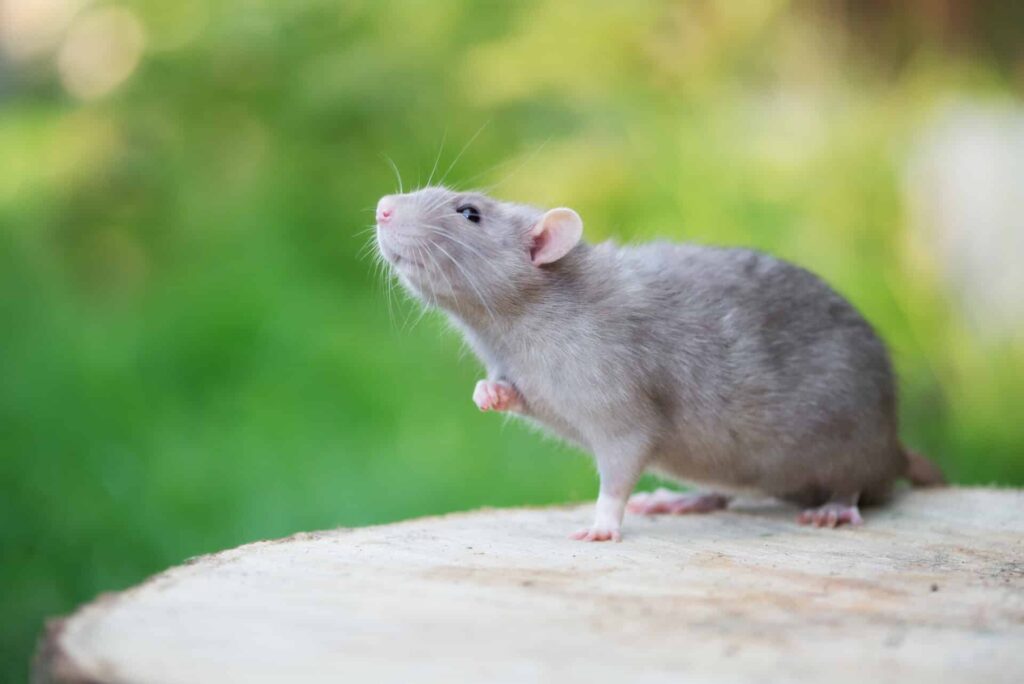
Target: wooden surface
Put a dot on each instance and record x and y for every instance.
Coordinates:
(931, 589)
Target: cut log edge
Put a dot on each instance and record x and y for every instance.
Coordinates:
(51, 664)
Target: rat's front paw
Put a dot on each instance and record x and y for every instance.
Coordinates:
(491, 395)
(598, 533)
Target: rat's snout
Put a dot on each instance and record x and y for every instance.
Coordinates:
(385, 209)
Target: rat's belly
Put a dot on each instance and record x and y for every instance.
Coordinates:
(692, 454)
(541, 413)
(729, 476)
(713, 483)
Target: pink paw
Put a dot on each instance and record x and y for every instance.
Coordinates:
(831, 515)
(597, 533)
(491, 395)
(676, 503)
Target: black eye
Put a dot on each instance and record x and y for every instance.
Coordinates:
(470, 212)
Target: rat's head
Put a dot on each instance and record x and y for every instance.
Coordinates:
(468, 252)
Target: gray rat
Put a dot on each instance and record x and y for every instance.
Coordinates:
(723, 367)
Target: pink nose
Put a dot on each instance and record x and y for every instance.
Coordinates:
(385, 210)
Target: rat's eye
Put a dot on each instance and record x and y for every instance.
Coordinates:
(470, 212)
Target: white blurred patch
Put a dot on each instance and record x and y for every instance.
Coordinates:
(965, 190)
(30, 28)
(102, 49)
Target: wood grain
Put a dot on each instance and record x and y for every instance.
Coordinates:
(930, 589)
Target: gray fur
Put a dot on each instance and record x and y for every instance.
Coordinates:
(725, 367)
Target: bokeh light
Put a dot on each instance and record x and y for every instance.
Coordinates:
(31, 28)
(101, 50)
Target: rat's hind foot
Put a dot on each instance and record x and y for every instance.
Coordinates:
(492, 395)
(666, 501)
(832, 514)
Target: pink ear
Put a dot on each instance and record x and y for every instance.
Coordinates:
(554, 235)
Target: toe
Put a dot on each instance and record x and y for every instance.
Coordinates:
(830, 516)
(596, 534)
(480, 395)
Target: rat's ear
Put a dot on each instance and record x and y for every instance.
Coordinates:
(557, 232)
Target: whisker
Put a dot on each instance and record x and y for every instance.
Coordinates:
(422, 307)
(457, 241)
(470, 281)
(485, 172)
(483, 259)
(382, 272)
(451, 288)
(463, 150)
(365, 250)
(388, 276)
(436, 204)
(433, 295)
(437, 159)
(398, 175)
(488, 189)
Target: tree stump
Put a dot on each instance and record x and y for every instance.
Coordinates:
(930, 589)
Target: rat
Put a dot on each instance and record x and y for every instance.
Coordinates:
(724, 368)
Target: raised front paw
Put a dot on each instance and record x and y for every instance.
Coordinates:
(492, 395)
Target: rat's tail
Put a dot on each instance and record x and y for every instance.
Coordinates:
(921, 472)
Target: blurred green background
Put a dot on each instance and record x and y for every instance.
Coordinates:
(194, 354)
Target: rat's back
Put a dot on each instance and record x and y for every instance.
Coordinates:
(776, 382)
